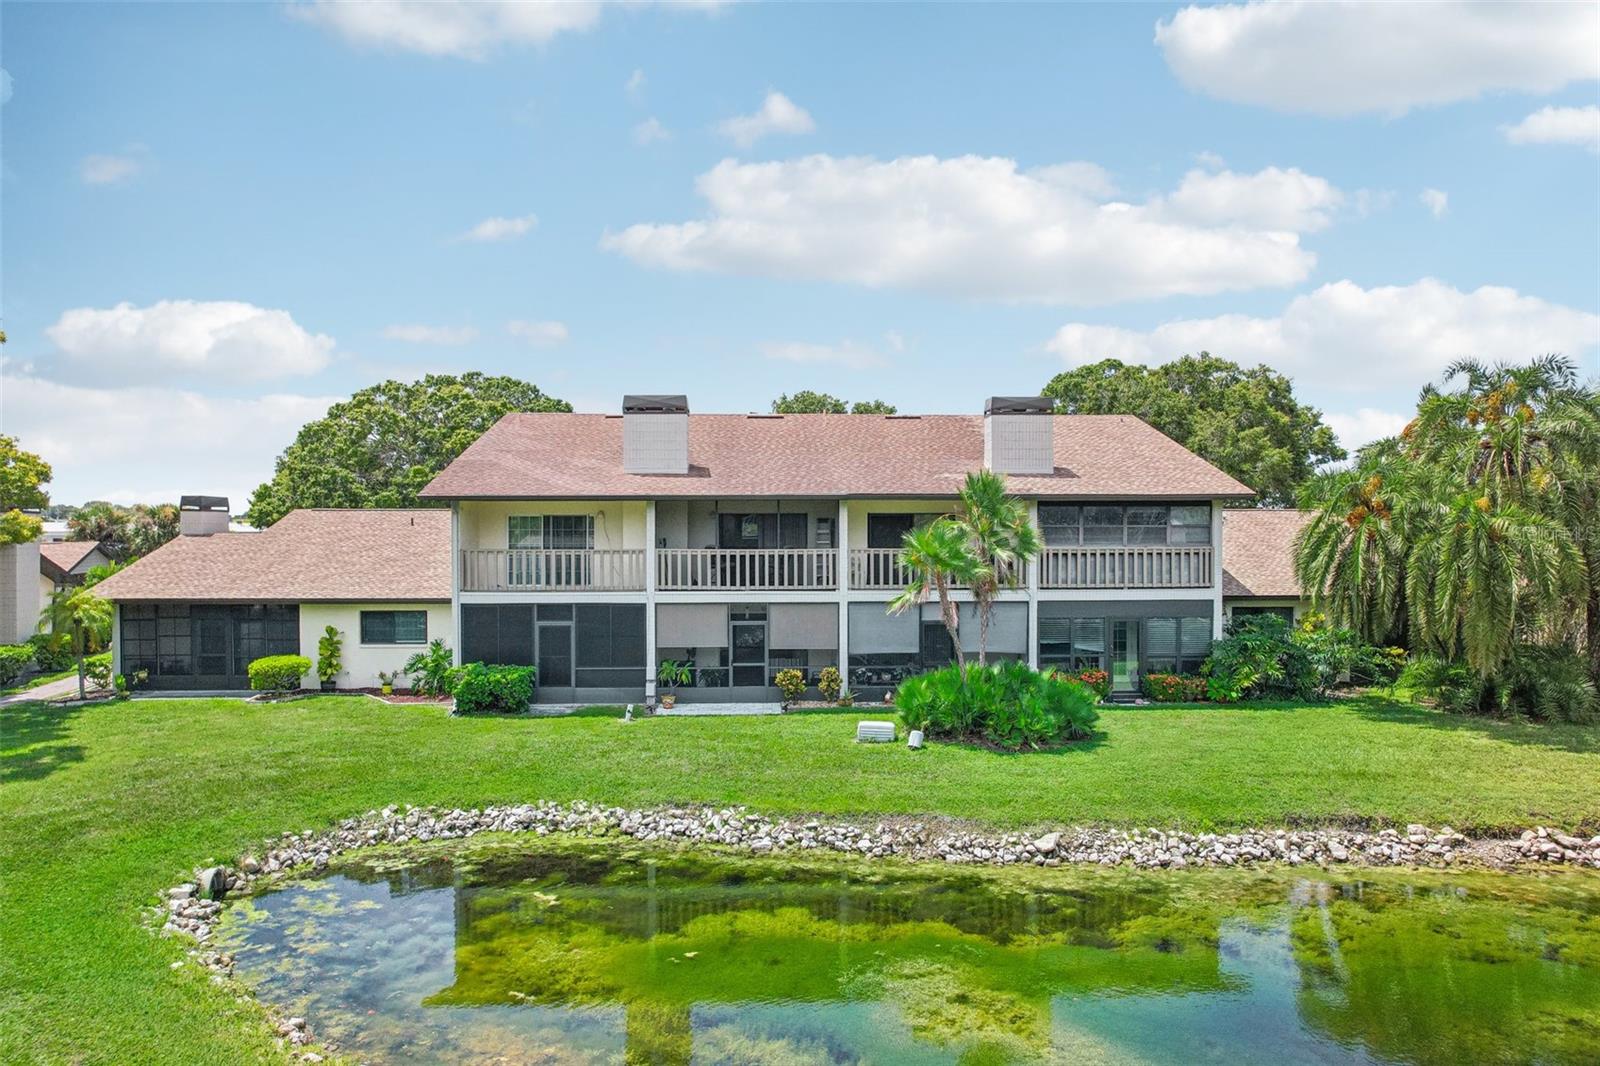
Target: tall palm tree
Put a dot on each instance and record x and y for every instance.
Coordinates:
(85, 619)
(1002, 535)
(937, 556)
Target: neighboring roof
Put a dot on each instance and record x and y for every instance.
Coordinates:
(58, 558)
(573, 456)
(1258, 552)
(306, 556)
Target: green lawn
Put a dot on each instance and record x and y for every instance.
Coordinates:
(101, 807)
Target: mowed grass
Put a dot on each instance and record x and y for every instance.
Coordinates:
(102, 807)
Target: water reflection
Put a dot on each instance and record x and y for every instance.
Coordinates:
(565, 955)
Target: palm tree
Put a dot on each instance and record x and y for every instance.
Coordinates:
(937, 555)
(999, 532)
(85, 619)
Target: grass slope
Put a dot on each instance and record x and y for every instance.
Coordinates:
(101, 807)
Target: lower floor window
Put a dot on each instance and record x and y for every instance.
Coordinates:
(1176, 645)
(394, 627)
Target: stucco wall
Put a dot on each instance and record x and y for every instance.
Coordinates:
(860, 509)
(362, 662)
(617, 523)
(19, 592)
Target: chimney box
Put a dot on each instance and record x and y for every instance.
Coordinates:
(201, 516)
(655, 434)
(1019, 435)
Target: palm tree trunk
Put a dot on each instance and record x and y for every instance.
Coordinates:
(985, 605)
(952, 622)
(83, 693)
(1592, 630)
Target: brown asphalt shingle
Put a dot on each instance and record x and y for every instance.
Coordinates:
(574, 456)
(66, 554)
(1258, 552)
(307, 556)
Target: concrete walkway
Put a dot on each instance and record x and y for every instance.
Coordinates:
(50, 690)
(712, 710)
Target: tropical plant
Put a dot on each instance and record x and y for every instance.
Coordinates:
(14, 662)
(387, 678)
(937, 556)
(673, 673)
(481, 689)
(1173, 688)
(1009, 705)
(51, 652)
(97, 669)
(430, 669)
(83, 621)
(329, 646)
(829, 683)
(125, 533)
(791, 684)
(1258, 658)
(278, 673)
(1098, 680)
(1001, 536)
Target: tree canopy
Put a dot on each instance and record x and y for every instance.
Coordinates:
(383, 445)
(125, 533)
(23, 476)
(808, 402)
(1246, 422)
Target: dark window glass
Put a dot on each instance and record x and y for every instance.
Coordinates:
(1102, 524)
(514, 642)
(1147, 525)
(888, 530)
(480, 633)
(1191, 524)
(1060, 523)
(792, 530)
(394, 627)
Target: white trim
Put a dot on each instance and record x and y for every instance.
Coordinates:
(842, 595)
(650, 602)
(455, 582)
(1033, 590)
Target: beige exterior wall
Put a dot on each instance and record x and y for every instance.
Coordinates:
(362, 662)
(693, 523)
(617, 523)
(860, 509)
(19, 592)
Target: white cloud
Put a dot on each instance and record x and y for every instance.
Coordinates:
(227, 339)
(1270, 199)
(539, 334)
(979, 228)
(1559, 125)
(1437, 201)
(500, 229)
(778, 114)
(635, 82)
(450, 336)
(847, 353)
(1346, 58)
(1346, 338)
(650, 131)
(1364, 425)
(110, 169)
(1210, 160)
(152, 444)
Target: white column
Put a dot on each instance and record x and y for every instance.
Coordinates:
(116, 639)
(842, 534)
(1033, 593)
(650, 601)
(1216, 569)
(456, 575)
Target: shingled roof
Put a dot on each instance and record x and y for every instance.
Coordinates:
(58, 558)
(576, 456)
(1258, 552)
(397, 556)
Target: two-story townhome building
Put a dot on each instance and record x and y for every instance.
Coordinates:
(595, 546)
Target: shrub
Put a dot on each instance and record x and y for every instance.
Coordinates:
(14, 661)
(431, 669)
(791, 683)
(1540, 681)
(278, 673)
(328, 648)
(481, 689)
(1259, 659)
(1098, 680)
(1174, 688)
(97, 670)
(51, 652)
(1009, 704)
(829, 683)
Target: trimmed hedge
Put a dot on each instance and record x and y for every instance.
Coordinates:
(14, 661)
(1009, 705)
(481, 689)
(278, 673)
(1174, 688)
(51, 654)
(1098, 680)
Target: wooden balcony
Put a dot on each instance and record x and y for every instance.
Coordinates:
(552, 570)
(1159, 567)
(754, 569)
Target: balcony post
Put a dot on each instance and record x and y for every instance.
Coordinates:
(1216, 569)
(842, 584)
(1033, 589)
(650, 603)
(457, 575)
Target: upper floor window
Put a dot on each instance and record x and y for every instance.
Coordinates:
(394, 627)
(568, 531)
(1114, 524)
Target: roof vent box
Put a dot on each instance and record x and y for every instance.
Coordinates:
(655, 434)
(1019, 435)
(201, 516)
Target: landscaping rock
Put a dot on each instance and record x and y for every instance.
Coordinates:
(213, 882)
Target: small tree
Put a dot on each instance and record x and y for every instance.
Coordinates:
(1000, 532)
(329, 646)
(85, 620)
(937, 556)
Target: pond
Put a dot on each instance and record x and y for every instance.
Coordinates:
(567, 953)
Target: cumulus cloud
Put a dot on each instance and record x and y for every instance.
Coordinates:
(1364, 425)
(982, 228)
(1437, 201)
(415, 333)
(847, 353)
(650, 131)
(538, 334)
(778, 114)
(110, 169)
(1346, 338)
(635, 82)
(500, 229)
(150, 443)
(1559, 125)
(225, 339)
(1346, 58)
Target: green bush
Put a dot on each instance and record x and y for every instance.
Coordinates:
(481, 689)
(1174, 688)
(1539, 681)
(278, 673)
(1258, 659)
(1009, 704)
(1098, 680)
(97, 670)
(431, 669)
(14, 661)
(829, 683)
(51, 653)
(791, 684)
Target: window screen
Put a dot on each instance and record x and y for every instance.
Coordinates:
(1191, 524)
(610, 645)
(1060, 523)
(394, 627)
(1176, 645)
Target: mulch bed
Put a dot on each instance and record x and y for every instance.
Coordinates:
(398, 696)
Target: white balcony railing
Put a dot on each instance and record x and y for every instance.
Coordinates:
(747, 568)
(877, 568)
(554, 569)
(1126, 568)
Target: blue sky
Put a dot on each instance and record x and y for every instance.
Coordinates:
(218, 218)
